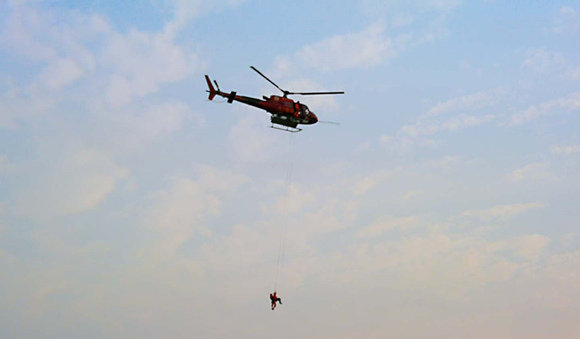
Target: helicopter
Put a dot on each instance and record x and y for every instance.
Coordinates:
(286, 113)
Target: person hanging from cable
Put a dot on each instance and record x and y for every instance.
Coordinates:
(274, 299)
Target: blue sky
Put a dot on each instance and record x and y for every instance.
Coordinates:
(443, 206)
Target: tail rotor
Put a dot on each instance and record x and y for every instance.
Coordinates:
(212, 92)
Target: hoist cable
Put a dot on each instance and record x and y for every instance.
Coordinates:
(285, 213)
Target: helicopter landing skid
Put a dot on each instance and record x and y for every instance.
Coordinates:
(287, 129)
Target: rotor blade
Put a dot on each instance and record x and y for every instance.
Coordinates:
(265, 77)
(329, 122)
(316, 93)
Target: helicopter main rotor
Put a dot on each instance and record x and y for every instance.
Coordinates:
(286, 93)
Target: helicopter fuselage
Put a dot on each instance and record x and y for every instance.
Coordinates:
(284, 111)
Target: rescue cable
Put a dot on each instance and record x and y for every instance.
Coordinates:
(286, 214)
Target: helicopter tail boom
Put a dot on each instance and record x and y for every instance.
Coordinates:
(212, 92)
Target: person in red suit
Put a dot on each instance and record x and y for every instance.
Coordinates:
(274, 299)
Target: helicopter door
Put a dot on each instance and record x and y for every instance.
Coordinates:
(303, 111)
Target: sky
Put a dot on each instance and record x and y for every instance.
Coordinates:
(444, 205)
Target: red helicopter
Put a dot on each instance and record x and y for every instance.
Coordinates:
(285, 112)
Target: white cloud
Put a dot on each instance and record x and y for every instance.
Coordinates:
(567, 21)
(71, 183)
(18, 104)
(379, 227)
(411, 135)
(237, 265)
(243, 248)
(534, 112)
(178, 214)
(293, 200)
(401, 19)
(142, 62)
(464, 65)
(362, 186)
(356, 50)
(471, 101)
(462, 122)
(363, 146)
(48, 240)
(432, 260)
(249, 141)
(220, 180)
(427, 125)
(446, 162)
(565, 150)
(400, 142)
(533, 171)
(373, 7)
(136, 125)
(366, 49)
(136, 62)
(500, 211)
(180, 209)
(530, 247)
(573, 73)
(331, 215)
(56, 43)
(109, 71)
(22, 21)
(185, 11)
(412, 194)
(46, 36)
(59, 74)
(542, 60)
(449, 264)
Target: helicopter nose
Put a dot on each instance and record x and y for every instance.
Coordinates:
(313, 118)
